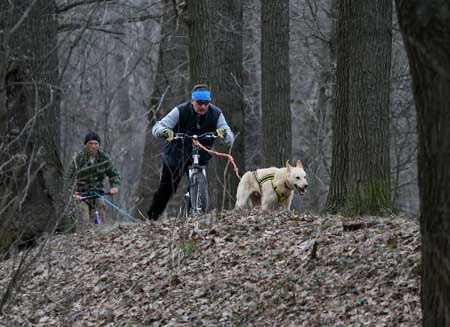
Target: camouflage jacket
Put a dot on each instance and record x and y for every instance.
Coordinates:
(88, 175)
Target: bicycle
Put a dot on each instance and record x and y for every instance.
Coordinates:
(196, 199)
(93, 195)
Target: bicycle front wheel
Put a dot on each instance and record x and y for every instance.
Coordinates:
(198, 190)
(184, 209)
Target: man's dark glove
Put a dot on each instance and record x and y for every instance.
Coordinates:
(221, 132)
(168, 134)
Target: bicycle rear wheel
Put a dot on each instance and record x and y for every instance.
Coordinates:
(198, 190)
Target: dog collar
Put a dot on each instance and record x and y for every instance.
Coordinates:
(289, 186)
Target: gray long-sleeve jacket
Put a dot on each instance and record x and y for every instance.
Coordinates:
(172, 119)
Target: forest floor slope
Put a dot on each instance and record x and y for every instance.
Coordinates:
(246, 269)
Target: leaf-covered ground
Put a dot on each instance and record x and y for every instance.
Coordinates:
(251, 269)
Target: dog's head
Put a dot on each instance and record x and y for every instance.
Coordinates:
(297, 177)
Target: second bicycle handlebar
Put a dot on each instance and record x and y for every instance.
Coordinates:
(93, 196)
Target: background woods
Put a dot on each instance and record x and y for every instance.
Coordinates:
(30, 166)
(117, 66)
(324, 81)
(124, 64)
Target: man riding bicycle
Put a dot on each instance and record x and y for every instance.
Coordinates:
(194, 117)
(86, 174)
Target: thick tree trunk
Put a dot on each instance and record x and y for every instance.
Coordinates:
(226, 74)
(170, 90)
(361, 176)
(339, 162)
(32, 110)
(275, 77)
(215, 58)
(426, 31)
(252, 84)
(369, 161)
(200, 45)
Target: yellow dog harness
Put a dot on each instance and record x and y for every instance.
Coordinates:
(270, 177)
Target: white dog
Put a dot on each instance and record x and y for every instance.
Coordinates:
(271, 187)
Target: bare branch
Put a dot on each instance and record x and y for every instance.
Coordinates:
(119, 21)
(68, 7)
(22, 18)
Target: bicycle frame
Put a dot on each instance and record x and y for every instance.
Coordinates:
(195, 167)
(196, 199)
(90, 196)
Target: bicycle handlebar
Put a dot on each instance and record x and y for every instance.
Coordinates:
(212, 135)
(93, 196)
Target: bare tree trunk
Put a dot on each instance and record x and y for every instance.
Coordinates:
(361, 162)
(31, 172)
(170, 90)
(339, 160)
(215, 49)
(200, 46)
(369, 187)
(426, 30)
(276, 111)
(226, 74)
(252, 84)
(31, 135)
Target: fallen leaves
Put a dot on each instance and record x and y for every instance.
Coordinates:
(230, 269)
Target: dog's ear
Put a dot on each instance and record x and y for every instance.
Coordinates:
(299, 164)
(288, 165)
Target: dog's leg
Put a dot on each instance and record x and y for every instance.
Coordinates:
(254, 200)
(247, 185)
(269, 201)
(266, 205)
(287, 203)
(242, 198)
(242, 202)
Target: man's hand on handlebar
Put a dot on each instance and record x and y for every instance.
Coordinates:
(77, 197)
(221, 132)
(168, 134)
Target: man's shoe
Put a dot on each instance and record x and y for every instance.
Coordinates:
(152, 216)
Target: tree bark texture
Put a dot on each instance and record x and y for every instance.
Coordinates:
(215, 58)
(226, 75)
(200, 45)
(170, 90)
(275, 80)
(370, 67)
(32, 111)
(425, 26)
(339, 160)
(252, 84)
(363, 174)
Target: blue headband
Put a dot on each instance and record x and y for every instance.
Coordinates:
(202, 95)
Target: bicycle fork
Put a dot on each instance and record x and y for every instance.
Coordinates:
(194, 170)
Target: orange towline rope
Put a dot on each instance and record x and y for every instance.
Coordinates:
(219, 154)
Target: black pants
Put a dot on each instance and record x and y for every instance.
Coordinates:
(172, 173)
(170, 178)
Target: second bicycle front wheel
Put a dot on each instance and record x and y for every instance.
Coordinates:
(198, 190)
